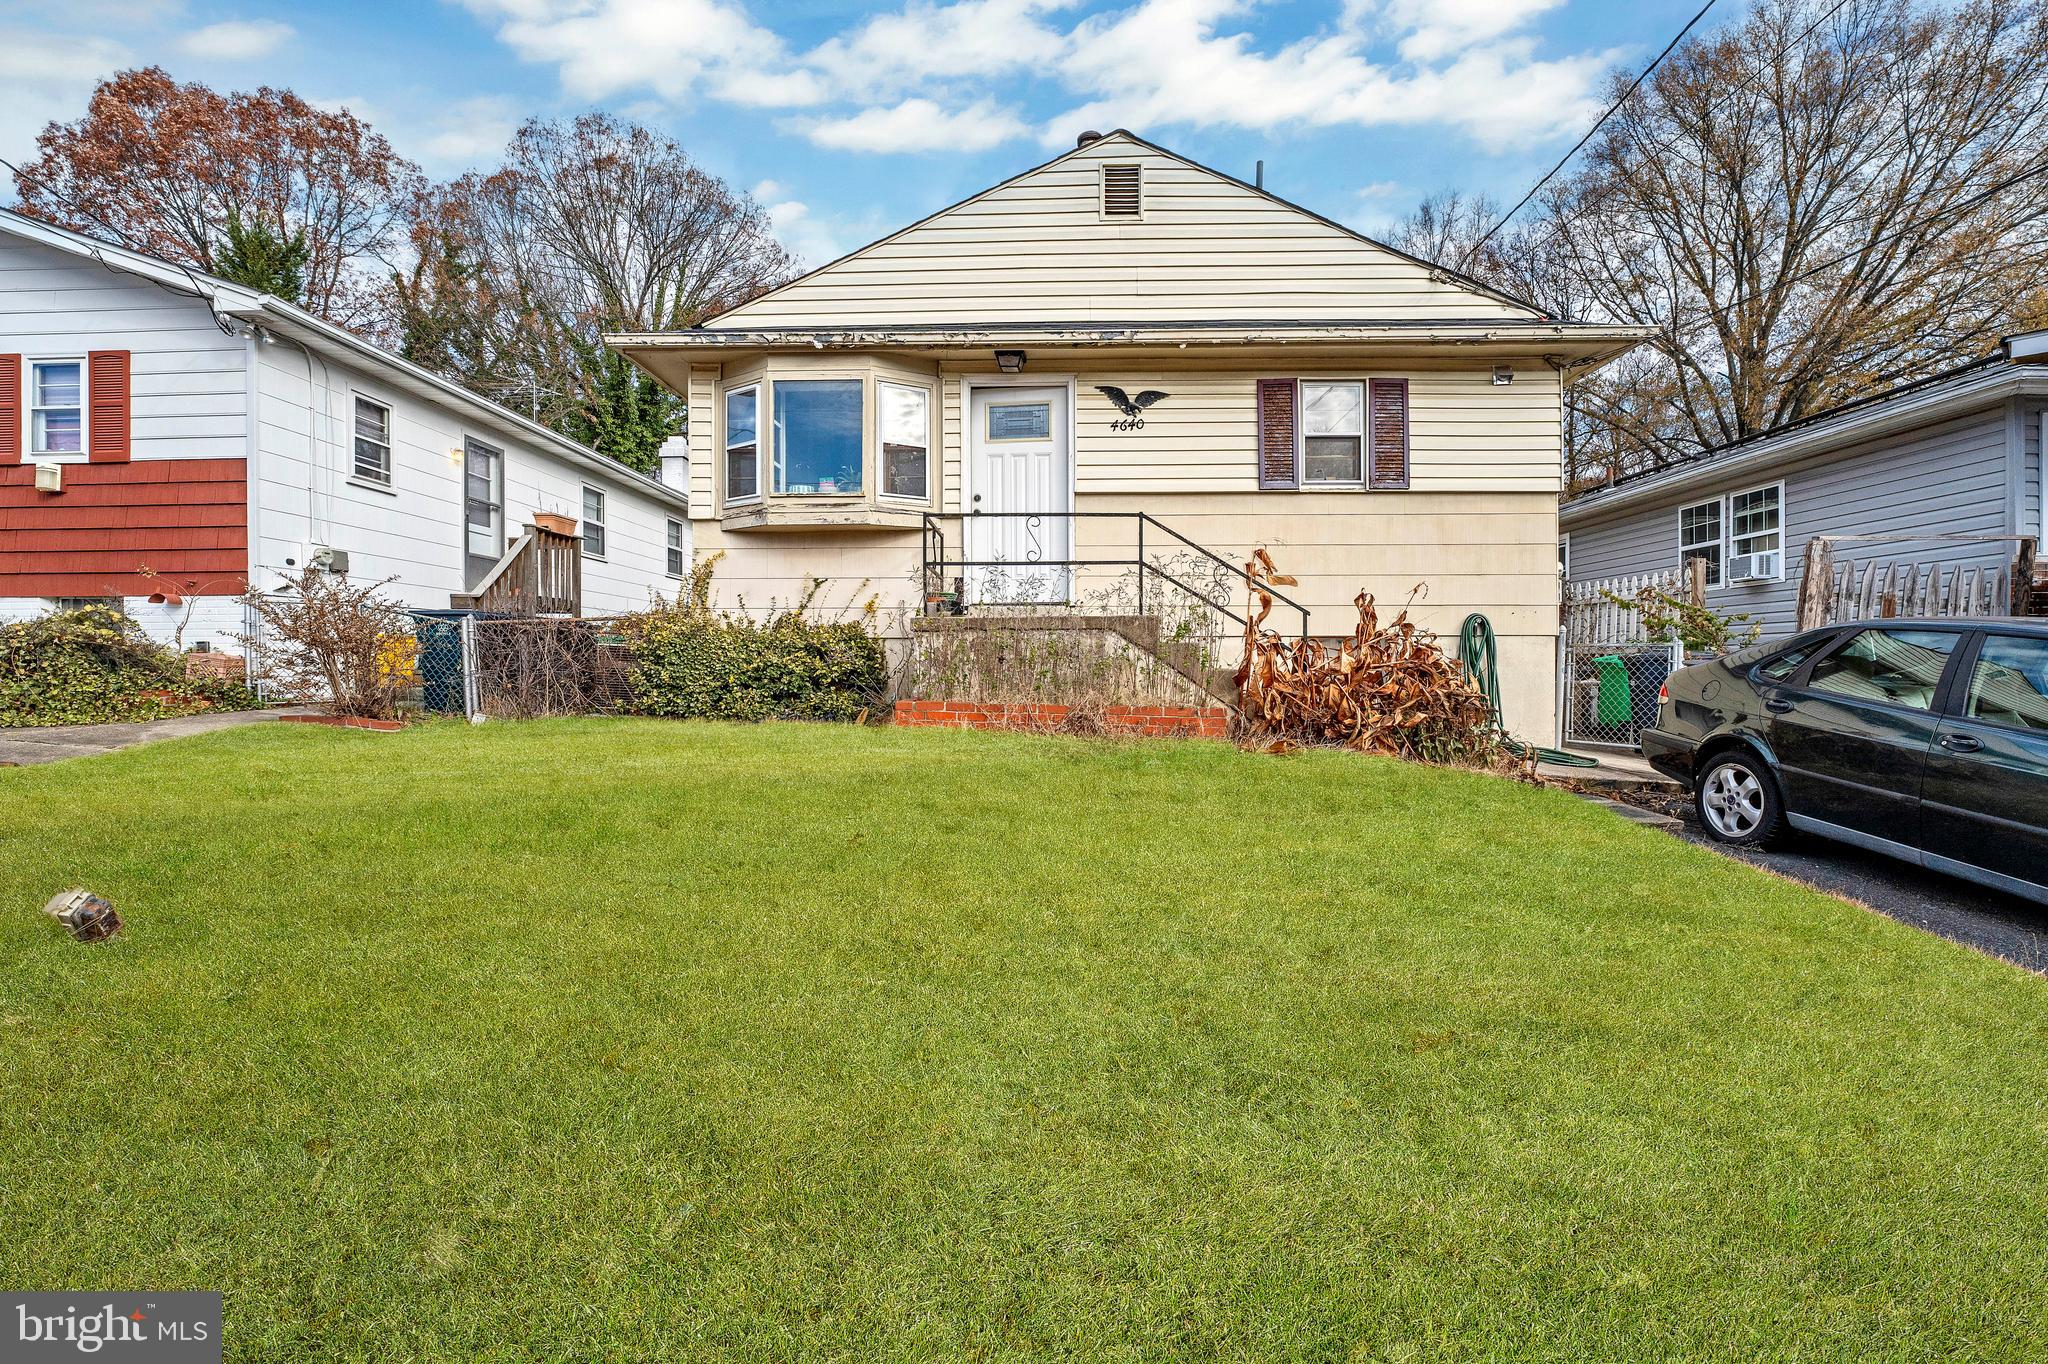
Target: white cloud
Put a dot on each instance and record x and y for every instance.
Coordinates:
(467, 134)
(937, 73)
(1185, 62)
(1433, 29)
(236, 40)
(670, 47)
(917, 125)
(894, 53)
(808, 237)
(48, 78)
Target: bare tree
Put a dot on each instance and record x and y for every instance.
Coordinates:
(590, 226)
(1814, 203)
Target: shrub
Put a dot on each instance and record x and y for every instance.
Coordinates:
(693, 662)
(94, 666)
(323, 636)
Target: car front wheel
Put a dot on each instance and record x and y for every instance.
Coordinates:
(1738, 801)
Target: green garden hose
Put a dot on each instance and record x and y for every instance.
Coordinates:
(1476, 652)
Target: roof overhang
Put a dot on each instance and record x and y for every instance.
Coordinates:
(1879, 417)
(1566, 345)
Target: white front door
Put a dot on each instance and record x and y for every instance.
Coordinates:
(1019, 489)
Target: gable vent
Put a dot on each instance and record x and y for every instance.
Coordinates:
(1122, 192)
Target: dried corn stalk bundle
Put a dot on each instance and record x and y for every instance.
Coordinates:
(1382, 689)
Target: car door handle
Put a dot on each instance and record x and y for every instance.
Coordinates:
(1960, 743)
(1777, 705)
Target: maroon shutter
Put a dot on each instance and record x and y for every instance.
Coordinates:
(10, 408)
(107, 394)
(1388, 421)
(1277, 465)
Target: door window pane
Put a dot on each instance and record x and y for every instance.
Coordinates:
(2010, 684)
(817, 435)
(1900, 667)
(906, 440)
(1020, 421)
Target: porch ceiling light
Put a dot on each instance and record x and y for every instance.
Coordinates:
(1010, 361)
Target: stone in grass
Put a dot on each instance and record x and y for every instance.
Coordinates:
(88, 916)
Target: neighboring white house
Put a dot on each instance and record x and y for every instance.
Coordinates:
(164, 434)
(1122, 334)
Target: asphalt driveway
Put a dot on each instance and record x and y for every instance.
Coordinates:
(1988, 920)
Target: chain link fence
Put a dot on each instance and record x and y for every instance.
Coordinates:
(520, 667)
(1610, 669)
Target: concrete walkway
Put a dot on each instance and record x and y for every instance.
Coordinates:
(46, 744)
(1618, 766)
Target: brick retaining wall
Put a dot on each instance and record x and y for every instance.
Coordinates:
(1186, 722)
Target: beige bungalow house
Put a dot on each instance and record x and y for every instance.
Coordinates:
(1014, 379)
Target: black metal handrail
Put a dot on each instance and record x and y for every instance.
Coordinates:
(934, 551)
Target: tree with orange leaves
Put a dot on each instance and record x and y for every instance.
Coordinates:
(164, 168)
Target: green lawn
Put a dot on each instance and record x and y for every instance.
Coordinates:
(635, 1040)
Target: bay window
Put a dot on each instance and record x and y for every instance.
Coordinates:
(906, 429)
(818, 431)
(1333, 432)
(742, 443)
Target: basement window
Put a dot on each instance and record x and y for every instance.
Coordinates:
(1123, 192)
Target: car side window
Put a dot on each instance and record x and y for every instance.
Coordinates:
(1784, 665)
(2009, 685)
(1898, 667)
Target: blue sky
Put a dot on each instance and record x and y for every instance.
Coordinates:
(848, 120)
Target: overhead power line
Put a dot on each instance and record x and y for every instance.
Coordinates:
(1565, 160)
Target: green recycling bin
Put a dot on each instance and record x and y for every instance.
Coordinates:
(1612, 706)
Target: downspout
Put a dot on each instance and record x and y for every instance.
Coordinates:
(252, 491)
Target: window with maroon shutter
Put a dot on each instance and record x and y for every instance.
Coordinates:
(1276, 434)
(10, 408)
(107, 424)
(1389, 418)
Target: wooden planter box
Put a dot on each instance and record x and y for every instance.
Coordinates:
(556, 522)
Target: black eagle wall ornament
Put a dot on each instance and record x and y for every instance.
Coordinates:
(1125, 403)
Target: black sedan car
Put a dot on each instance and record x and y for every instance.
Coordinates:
(1924, 739)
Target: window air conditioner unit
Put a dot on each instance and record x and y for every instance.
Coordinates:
(1753, 568)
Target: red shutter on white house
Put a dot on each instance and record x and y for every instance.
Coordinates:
(10, 408)
(1388, 420)
(1277, 466)
(107, 395)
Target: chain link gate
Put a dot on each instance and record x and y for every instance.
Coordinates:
(1609, 669)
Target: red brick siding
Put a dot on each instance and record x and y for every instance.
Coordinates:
(1187, 722)
(186, 518)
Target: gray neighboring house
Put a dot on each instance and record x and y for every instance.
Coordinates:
(1959, 453)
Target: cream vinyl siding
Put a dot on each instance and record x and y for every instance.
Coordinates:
(1038, 250)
